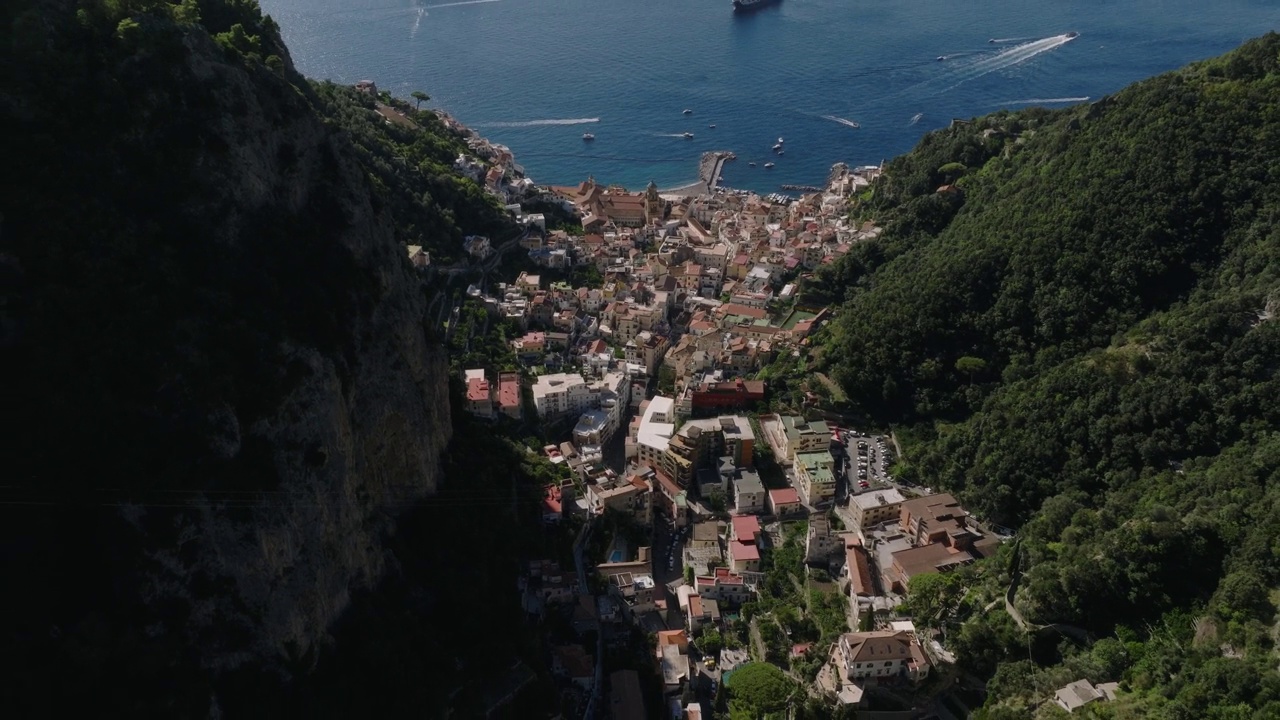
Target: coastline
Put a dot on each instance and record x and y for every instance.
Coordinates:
(710, 164)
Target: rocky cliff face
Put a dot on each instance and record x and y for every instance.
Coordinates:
(221, 341)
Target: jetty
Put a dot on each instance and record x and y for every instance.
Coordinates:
(709, 167)
(801, 188)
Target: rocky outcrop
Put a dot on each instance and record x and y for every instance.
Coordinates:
(215, 305)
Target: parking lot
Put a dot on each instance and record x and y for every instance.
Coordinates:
(867, 461)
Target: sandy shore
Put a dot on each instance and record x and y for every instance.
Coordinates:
(709, 166)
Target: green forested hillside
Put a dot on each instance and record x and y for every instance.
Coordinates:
(1081, 340)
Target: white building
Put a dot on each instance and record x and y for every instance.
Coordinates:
(561, 394)
(880, 654)
(654, 432)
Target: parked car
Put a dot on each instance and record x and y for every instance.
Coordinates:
(864, 484)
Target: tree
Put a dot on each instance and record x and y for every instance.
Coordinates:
(758, 688)
(710, 642)
(970, 365)
(420, 97)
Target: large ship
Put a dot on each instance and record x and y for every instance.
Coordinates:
(750, 5)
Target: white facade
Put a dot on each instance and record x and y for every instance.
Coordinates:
(561, 394)
(654, 433)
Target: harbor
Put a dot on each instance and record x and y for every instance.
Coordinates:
(709, 167)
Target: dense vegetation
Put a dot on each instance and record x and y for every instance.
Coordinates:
(1079, 338)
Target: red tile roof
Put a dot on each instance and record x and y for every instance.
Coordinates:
(784, 496)
(509, 393)
(744, 551)
(477, 390)
(745, 527)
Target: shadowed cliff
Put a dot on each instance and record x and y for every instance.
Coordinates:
(222, 389)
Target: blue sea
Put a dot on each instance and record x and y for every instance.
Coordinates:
(536, 74)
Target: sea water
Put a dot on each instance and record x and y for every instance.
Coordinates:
(855, 81)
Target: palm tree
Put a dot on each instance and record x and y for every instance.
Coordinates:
(420, 96)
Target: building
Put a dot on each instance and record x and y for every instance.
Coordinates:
(573, 663)
(880, 655)
(672, 657)
(509, 402)
(626, 702)
(1081, 693)
(479, 395)
(744, 543)
(820, 543)
(702, 550)
(418, 257)
(735, 394)
(748, 493)
(785, 502)
(560, 394)
(858, 569)
(925, 560)
(815, 477)
(702, 611)
(647, 443)
(935, 518)
(631, 497)
(546, 583)
(870, 509)
(800, 435)
(636, 592)
(724, 586)
(698, 442)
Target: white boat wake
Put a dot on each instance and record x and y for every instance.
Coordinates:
(417, 20)
(1008, 57)
(842, 121)
(458, 4)
(1045, 101)
(1004, 41)
(536, 123)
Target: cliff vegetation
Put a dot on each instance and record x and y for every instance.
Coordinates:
(1071, 318)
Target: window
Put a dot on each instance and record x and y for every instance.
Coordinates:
(889, 664)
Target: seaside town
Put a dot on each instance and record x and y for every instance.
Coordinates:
(712, 518)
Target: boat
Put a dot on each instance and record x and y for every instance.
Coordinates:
(688, 136)
(1073, 35)
(749, 5)
(941, 58)
(992, 40)
(588, 136)
(782, 152)
(713, 127)
(687, 111)
(751, 164)
(768, 165)
(777, 147)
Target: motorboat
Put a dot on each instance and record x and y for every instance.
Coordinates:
(780, 141)
(751, 164)
(768, 165)
(713, 127)
(588, 136)
(688, 136)
(782, 152)
(1073, 35)
(687, 111)
(941, 58)
(777, 147)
